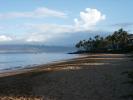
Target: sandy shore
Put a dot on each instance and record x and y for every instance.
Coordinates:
(93, 77)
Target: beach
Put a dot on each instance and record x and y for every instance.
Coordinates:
(89, 77)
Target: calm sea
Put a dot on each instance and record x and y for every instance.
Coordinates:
(12, 58)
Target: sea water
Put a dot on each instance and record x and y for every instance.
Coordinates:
(17, 59)
(12, 61)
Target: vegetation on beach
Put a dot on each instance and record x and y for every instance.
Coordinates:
(118, 41)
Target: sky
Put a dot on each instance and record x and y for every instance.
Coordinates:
(62, 22)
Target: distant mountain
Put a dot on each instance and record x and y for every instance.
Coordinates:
(70, 39)
(25, 48)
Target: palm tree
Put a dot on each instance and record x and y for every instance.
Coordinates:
(123, 38)
(86, 45)
(79, 45)
(97, 37)
(91, 43)
(118, 40)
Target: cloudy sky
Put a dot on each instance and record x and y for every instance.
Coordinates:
(62, 22)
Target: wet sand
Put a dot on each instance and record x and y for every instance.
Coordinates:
(93, 77)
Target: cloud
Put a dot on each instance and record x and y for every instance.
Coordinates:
(46, 32)
(89, 18)
(64, 39)
(50, 28)
(37, 13)
(35, 38)
(4, 38)
(44, 36)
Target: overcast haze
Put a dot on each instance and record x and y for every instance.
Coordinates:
(61, 22)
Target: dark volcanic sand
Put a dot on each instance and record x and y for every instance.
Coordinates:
(96, 77)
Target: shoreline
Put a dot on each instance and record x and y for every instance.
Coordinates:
(27, 69)
(46, 66)
(93, 77)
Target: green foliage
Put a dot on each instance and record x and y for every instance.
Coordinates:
(117, 41)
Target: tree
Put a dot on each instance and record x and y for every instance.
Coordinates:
(117, 41)
(79, 45)
(123, 38)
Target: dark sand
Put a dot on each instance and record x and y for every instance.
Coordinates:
(95, 77)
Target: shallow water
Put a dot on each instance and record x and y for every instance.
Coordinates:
(10, 61)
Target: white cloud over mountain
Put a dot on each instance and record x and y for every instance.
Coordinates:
(36, 38)
(37, 13)
(46, 32)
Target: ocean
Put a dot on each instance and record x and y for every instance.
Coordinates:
(24, 56)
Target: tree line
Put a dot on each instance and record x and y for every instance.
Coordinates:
(118, 41)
